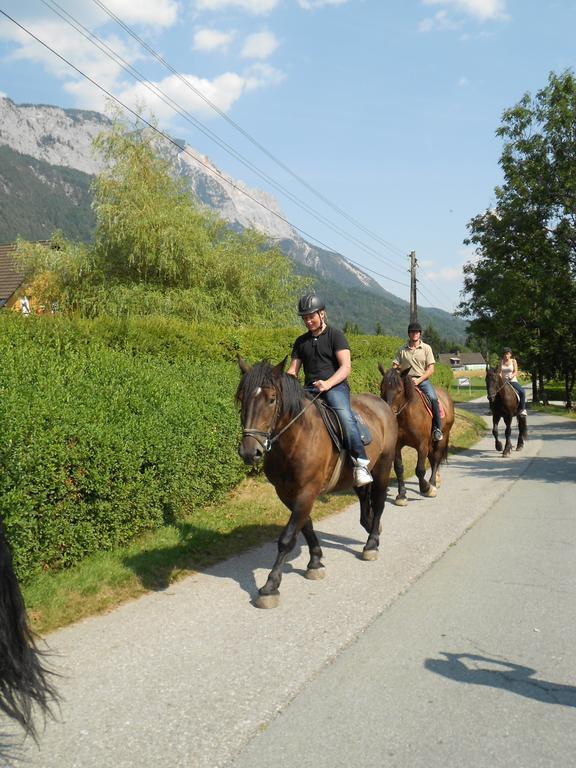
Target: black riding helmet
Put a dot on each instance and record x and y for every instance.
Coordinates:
(506, 349)
(309, 304)
(414, 326)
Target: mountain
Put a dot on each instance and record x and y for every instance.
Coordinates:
(46, 167)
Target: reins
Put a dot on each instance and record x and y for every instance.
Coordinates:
(269, 441)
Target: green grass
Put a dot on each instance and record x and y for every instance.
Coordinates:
(250, 515)
(555, 410)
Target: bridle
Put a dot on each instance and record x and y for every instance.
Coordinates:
(265, 438)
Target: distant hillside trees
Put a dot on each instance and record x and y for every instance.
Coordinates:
(521, 291)
(156, 251)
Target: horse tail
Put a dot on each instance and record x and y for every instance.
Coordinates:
(24, 682)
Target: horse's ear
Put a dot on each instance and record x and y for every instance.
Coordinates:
(244, 367)
(381, 369)
(279, 369)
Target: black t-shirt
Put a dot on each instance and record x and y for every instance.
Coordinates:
(318, 353)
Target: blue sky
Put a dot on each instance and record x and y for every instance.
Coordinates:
(386, 109)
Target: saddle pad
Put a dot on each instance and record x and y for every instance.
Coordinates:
(426, 401)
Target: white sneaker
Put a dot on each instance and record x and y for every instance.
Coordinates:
(437, 435)
(361, 474)
(523, 412)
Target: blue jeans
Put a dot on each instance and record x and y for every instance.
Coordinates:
(429, 390)
(338, 398)
(521, 394)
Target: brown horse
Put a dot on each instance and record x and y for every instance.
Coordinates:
(282, 425)
(24, 681)
(415, 429)
(504, 405)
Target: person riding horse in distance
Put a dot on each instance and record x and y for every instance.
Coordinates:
(418, 359)
(508, 367)
(324, 353)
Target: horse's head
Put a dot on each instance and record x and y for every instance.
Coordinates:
(265, 395)
(395, 388)
(493, 383)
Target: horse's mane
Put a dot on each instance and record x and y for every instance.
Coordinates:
(263, 374)
(393, 379)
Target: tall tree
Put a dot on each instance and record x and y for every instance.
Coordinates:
(521, 291)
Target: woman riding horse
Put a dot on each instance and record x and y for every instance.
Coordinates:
(284, 427)
(504, 405)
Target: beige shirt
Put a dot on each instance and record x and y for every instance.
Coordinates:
(417, 360)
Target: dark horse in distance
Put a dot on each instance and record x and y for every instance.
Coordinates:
(282, 426)
(415, 429)
(504, 405)
(24, 682)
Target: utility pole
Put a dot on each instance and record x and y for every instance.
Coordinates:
(413, 303)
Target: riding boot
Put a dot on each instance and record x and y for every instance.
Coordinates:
(436, 421)
(361, 474)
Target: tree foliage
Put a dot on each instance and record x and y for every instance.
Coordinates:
(521, 290)
(156, 250)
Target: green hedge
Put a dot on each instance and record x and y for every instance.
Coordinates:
(111, 428)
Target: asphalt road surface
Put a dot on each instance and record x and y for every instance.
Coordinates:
(454, 648)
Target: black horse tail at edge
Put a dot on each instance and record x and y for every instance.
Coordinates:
(24, 682)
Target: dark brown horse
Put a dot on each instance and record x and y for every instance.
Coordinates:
(24, 681)
(415, 429)
(504, 405)
(282, 426)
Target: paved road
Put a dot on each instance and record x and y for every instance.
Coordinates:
(375, 660)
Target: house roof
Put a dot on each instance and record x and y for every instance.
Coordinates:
(11, 276)
(461, 358)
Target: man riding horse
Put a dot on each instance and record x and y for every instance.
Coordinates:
(324, 353)
(418, 359)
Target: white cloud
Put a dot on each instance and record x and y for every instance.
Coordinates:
(259, 46)
(463, 82)
(251, 6)
(310, 5)
(440, 21)
(483, 10)
(263, 76)
(211, 40)
(162, 13)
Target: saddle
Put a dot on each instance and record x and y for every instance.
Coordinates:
(428, 404)
(334, 427)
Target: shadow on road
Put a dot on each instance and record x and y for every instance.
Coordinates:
(473, 669)
(156, 573)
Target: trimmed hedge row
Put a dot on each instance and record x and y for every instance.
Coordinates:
(111, 428)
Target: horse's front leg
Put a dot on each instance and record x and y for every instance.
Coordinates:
(435, 457)
(400, 499)
(507, 433)
(315, 568)
(522, 432)
(426, 489)
(269, 595)
(495, 422)
(376, 497)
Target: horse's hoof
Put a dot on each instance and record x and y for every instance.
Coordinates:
(315, 574)
(267, 601)
(401, 501)
(369, 554)
(431, 492)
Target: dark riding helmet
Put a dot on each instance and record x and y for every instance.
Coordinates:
(309, 304)
(506, 349)
(414, 326)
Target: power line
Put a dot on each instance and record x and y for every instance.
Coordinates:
(244, 132)
(168, 138)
